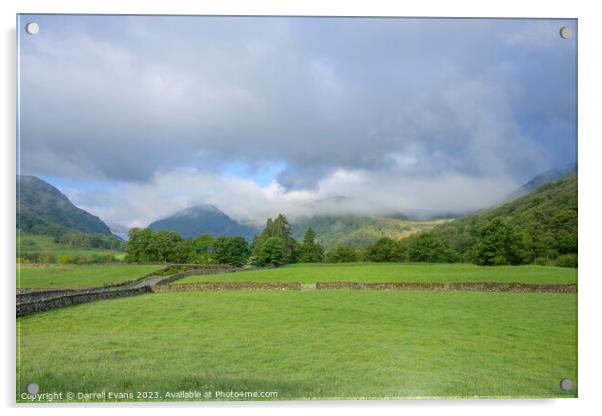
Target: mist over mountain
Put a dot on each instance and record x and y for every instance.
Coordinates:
(543, 178)
(119, 230)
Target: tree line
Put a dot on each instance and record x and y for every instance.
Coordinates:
(274, 246)
(498, 243)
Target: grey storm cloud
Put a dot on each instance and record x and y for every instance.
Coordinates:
(125, 99)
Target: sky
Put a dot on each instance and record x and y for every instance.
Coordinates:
(137, 117)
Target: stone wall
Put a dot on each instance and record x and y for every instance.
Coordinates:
(226, 286)
(207, 269)
(32, 301)
(28, 295)
(46, 304)
(42, 294)
(450, 287)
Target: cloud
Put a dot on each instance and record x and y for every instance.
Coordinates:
(536, 34)
(356, 192)
(137, 102)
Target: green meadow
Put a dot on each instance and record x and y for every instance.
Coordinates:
(398, 272)
(318, 344)
(78, 276)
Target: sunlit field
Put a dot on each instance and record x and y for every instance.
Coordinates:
(78, 276)
(398, 272)
(320, 344)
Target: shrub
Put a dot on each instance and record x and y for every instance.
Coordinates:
(567, 260)
(102, 258)
(64, 259)
(384, 249)
(47, 258)
(341, 254)
(80, 259)
(542, 261)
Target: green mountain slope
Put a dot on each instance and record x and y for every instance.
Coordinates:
(43, 209)
(357, 231)
(546, 220)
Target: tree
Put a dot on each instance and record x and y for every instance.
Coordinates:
(310, 250)
(202, 248)
(230, 250)
(164, 246)
(500, 243)
(384, 249)
(183, 252)
(272, 252)
(342, 253)
(279, 228)
(426, 247)
(138, 246)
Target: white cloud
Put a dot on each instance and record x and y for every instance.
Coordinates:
(355, 192)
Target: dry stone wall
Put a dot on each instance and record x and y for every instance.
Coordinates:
(33, 301)
(49, 303)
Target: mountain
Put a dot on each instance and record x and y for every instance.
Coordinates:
(543, 178)
(357, 231)
(203, 219)
(43, 209)
(545, 217)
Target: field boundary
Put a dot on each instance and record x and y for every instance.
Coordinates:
(33, 301)
(447, 287)
(42, 305)
(213, 286)
(452, 287)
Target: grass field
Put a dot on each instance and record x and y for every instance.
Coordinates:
(31, 243)
(78, 276)
(399, 272)
(324, 344)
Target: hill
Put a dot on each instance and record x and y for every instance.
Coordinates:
(544, 222)
(357, 231)
(43, 209)
(203, 219)
(543, 178)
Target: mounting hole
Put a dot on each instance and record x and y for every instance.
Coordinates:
(566, 32)
(33, 388)
(32, 28)
(566, 384)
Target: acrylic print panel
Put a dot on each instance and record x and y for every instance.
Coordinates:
(288, 208)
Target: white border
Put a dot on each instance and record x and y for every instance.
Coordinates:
(590, 68)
